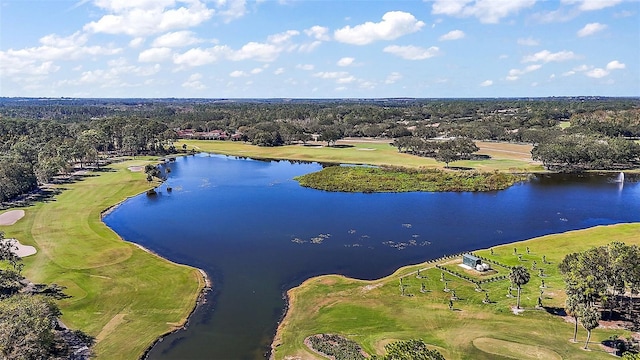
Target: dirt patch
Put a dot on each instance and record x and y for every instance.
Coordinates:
(371, 287)
(110, 326)
(136, 168)
(516, 311)
(11, 217)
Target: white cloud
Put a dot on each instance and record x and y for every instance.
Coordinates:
(193, 82)
(345, 61)
(155, 55)
(309, 47)
(278, 71)
(283, 37)
(411, 52)
(589, 5)
(136, 42)
(487, 11)
(528, 42)
(176, 39)
(514, 74)
(452, 35)
(394, 24)
(547, 56)
(393, 78)
(256, 51)
(597, 73)
(615, 65)
(256, 71)
(146, 17)
(591, 29)
(331, 74)
(486, 83)
(346, 80)
(198, 56)
(318, 32)
(231, 9)
(238, 73)
(306, 67)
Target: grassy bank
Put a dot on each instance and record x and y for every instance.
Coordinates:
(122, 295)
(504, 156)
(374, 313)
(396, 179)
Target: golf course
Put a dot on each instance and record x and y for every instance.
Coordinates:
(412, 304)
(120, 294)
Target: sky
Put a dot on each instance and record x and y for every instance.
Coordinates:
(319, 48)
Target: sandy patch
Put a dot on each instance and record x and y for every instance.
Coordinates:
(366, 149)
(21, 250)
(136, 168)
(11, 217)
(371, 287)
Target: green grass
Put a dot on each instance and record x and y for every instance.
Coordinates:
(373, 313)
(373, 153)
(124, 296)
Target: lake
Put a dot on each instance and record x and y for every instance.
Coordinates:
(257, 233)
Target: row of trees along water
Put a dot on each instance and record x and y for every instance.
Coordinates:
(40, 138)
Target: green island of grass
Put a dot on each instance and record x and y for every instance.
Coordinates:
(398, 179)
(376, 313)
(121, 294)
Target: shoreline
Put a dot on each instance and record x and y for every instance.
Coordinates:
(204, 279)
(290, 296)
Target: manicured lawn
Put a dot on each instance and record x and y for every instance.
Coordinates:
(373, 313)
(504, 156)
(121, 294)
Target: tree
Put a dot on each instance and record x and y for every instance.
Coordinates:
(331, 134)
(572, 307)
(26, 327)
(589, 318)
(519, 276)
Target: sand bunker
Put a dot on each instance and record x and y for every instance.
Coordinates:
(21, 250)
(11, 217)
(135, 168)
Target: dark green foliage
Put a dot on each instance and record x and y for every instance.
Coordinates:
(397, 179)
(336, 347)
(414, 349)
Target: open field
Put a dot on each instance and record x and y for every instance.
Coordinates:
(504, 156)
(373, 313)
(121, 294)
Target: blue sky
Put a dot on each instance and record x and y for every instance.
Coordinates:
(319, 49)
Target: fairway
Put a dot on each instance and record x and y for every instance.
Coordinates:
(504, 156)
(120, 294)
(374, 312)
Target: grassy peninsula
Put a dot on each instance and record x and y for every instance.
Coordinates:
(375, 313)
(398, 179)
(124, 296)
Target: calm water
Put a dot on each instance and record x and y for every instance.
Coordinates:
(257, 233)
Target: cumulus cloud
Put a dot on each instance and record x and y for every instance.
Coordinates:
(231, 9)
(394, 24)
(193, 82)
(345, 61)
(318, 32)
(487, 11)
(411, 52)
(155, 55)
(256, 51)
(546, 56)
(514, 74)
(331, 74)
(278, 71)
(528, 42)
(589, 5)
(591, 29)
(199, 56)
(615, 65)
(176, 39)
(238, 73)
(306, 67)
(146, 17)
(452, 35)
(486, 83)
(597, 73)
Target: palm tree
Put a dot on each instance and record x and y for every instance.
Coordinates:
(572, 307)
(589, 318)
(519, 276)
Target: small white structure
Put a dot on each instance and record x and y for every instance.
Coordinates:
(474, 262)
